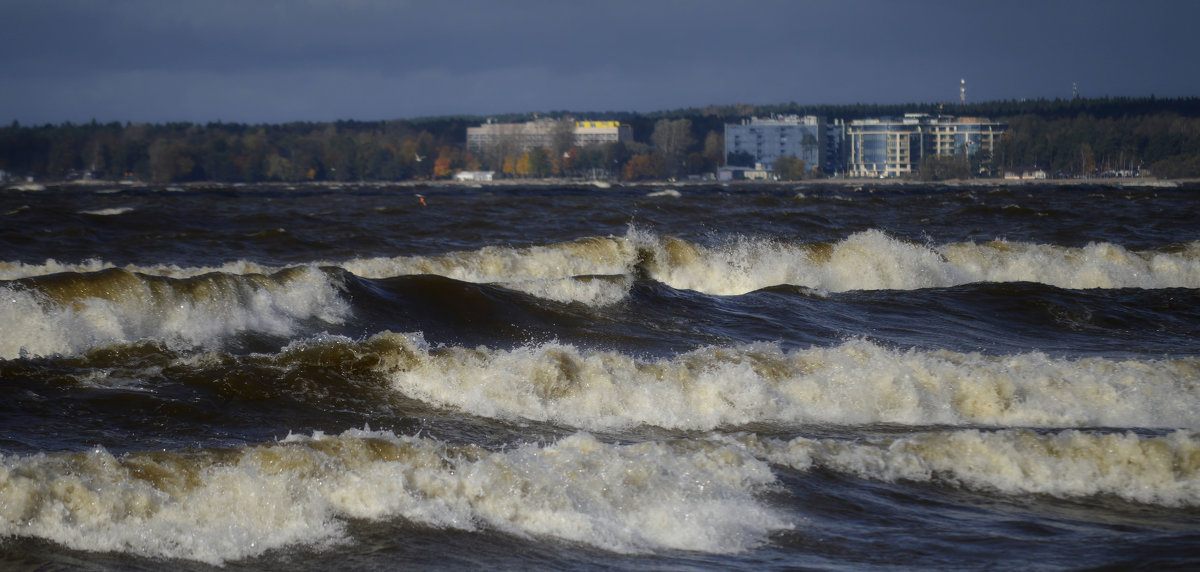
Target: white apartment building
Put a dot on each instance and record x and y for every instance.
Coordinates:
(521, 137)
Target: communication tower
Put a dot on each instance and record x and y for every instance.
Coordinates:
(962, 92)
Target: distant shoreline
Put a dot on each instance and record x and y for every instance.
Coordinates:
(1133, 182)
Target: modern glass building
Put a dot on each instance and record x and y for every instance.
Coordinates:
(883, 147)
(888, 147)
(965, 135)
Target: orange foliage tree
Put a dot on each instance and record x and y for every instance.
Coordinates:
(645, 166)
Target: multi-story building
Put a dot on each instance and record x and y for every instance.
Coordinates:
(601, 132)
(883, 147)
(894, 147)
(521, 137)
(768, 139)
(965, 135)
(876, 147)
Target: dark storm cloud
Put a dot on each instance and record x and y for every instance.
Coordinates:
(275, 61)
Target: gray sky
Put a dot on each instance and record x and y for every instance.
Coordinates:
(271, 61)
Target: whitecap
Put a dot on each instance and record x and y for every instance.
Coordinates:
(108, 211)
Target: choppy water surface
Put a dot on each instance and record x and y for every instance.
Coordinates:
(760, 377)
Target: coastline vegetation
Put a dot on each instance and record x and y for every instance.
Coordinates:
(1066, 138)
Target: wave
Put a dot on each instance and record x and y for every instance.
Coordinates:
(1162, 470)
(672, 193)
(25, 187)
(19, 270)
(108, 211)
(855, 383)
(548, 272)
(873, 260)
(852, 385)
(701, 494)
(868, 260)
(68, 312)
(216, 505)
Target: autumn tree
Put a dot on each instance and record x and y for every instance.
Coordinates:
(169, 161)
(448, 161)
(469, 162)
(562, 136)
(424, 154)
(569, 163)
(672, 139)
(506, 144)
(614, 155)
(534, 163)
(1087, 159)
(714, 147)
(788, 168)
(645, 167)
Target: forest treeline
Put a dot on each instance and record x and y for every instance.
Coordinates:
(1087, 136)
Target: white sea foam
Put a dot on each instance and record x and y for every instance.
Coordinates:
(699, 494)
(856, 382)
(1153, 470)
(868, 260)
(873, 260)
(545, 271)
(124, 307)
(108, 212)
(590, 290)
(1097, 265)
(671, 193)
(25, 187)
(17, 270)
(217, 506)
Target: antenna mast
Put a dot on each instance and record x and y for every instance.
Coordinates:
(962, 92)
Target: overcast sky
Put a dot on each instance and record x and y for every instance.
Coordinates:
(271, 61)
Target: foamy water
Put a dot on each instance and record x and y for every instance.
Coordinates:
(221, 505)
(854, 383)
(108, 212)
(869, 260)
(585, 377)
(215, 506)
(1069, 464)
(54, 317)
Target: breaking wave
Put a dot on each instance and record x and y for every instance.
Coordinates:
(1069, 464)
(112, 211)
(854, 383)
(702, 494)
(219, 505)
(868, 260)
(67, 312)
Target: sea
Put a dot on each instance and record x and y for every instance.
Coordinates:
(816, 376)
